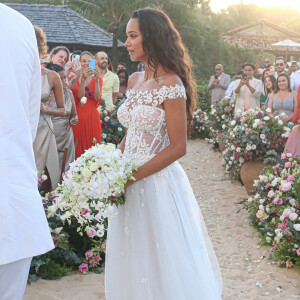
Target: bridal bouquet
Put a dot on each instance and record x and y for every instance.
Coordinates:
(101, 172)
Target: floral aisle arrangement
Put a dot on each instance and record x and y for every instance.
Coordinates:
(112, 130)
(222, 112)
(253, 135)
(275, 210)
(79, 208)
(199, 129)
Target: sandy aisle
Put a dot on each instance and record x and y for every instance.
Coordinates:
(234, 240)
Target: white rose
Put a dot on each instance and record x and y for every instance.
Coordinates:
(280, 122)
(248, 148)
(119, 129)
(58, 230)
(44, 177)
(94, 166)
(254, 125)
(232, 147)
(239, 111)
(83, 100)
(268, 110)
(238, 149)
(261, 201)
(233, 122)
(262, 136)
(253, 147)
(261, 207)
(297, 227)
(268, 239)
(266, 118)
(223, 126)
(86, 173)
(241, 160)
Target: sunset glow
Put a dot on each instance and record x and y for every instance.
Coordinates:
(217, 5)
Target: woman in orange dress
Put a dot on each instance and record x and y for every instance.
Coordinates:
(89, 85)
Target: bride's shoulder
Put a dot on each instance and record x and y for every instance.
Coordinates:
(169, 80)
(134, 78)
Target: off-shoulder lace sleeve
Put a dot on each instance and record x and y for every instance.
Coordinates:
(170, 92)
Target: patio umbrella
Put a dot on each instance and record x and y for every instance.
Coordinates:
(287, 44)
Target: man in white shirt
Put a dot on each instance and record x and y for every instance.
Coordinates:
(24, 230)
(218, 83)
(247, 90)
(295, 80)
(110, 87)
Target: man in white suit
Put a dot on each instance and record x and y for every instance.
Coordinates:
(24, 231)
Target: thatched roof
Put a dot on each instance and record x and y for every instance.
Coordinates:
(64, 26)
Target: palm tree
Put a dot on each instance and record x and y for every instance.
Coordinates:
(116, 11)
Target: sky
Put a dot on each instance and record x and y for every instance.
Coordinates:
(217, 5)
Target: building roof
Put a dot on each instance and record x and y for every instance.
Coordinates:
(262, 27)
(64, 26)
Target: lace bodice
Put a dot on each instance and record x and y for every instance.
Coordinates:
(146, 122)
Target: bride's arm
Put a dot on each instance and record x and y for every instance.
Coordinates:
(177, 131)
(121, 146)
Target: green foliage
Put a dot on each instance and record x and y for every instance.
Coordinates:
(204, 97)
(51, 270)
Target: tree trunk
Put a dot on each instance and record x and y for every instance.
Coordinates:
(114, 50)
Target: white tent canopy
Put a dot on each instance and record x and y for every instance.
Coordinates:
(287, 43)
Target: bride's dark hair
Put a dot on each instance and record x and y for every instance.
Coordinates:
(163, 45)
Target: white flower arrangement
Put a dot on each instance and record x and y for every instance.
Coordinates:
(101, 172)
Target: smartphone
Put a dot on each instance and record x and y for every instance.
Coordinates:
(216, 76)
(75, 57)
(92, 64)
(244, 76)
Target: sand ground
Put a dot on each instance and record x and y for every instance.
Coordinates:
(247, 271)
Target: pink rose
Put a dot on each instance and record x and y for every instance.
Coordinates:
(271, 193)
(84, 211)
(275, 200)
(287, 165)
(298, 252)
(283, 156)
(291, 178)
(83, 268)
(103, 246)
(89, 253)
(289, 264)
(267, 185)
(293, 216)
(106, 119)
(289, 155)
(280, 201)
(286, 187)
(91, 233)
(286, 212)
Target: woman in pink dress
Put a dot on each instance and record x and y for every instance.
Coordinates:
(293, 142)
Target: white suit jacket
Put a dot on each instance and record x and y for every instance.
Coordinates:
(24, 230)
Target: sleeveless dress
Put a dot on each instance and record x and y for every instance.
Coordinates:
(157, 245)
(89, 123)
(44, 145)
(287, 106)
(63, 132)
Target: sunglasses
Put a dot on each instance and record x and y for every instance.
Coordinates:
(218, 69)
(267, 61)
(279, 64)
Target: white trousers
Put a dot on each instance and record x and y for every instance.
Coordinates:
(13, 279)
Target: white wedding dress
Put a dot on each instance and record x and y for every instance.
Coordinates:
(158, 247)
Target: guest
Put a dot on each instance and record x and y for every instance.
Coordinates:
(62, 125)
(123, 79)
(267, 62)
(247, 90)
(41, 43)
(44, 145)
(60, 55)
(24, 230)
(268, 88)
(121, 66)
(293, 142)
(89, 85)
(292, 68)
(229, 91)
(263, 96)
(218, 84)
(110, 81)
(295, 80)
(279, 65)
(284, 99)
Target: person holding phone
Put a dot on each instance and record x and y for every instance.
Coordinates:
(247, 90)
(218, 83)
(89, 85)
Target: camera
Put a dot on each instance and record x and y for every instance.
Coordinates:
(216, 76)
(244, 76)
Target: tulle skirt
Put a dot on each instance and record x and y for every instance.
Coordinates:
(158, 246)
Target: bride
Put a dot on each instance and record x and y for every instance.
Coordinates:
(158, 246)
